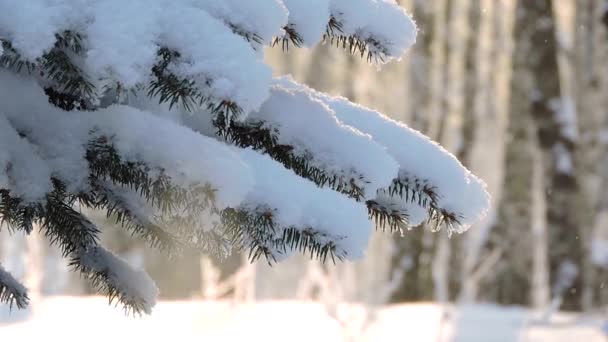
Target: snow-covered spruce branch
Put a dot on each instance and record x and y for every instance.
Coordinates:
(11, 291)
(102, 111)
(259, 232)
(58, 67)
(116, 279)
(261, 136)
(77, 238)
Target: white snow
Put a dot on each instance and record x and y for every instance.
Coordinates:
(44, 18)
(312, 128)
(265, 18)
(309, 18)
(380, 20)
(120, 47)
(278, 320)
(226, 61)
(301, 204)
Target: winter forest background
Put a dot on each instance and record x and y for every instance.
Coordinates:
(468, 83)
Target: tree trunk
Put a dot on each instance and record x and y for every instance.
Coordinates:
(537, 51)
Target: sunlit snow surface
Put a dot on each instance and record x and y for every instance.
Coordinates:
(91, 319)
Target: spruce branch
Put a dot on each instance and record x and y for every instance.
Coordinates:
(367, 47)
(11, 291)
(171, 88)
(103, 198)
(114, 278)
(176, 90)
(257, 231)
(253, 38)
(15, 215)
(261, 137)
(56, 66)
(385, 217)
(291, 36)
(420, 192)
(63, 225)
(264, 138)
(180, 209)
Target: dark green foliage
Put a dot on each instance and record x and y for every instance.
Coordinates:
(258, 232)
(103, 279)
(10, 293)
(252, 38)
(291, 37)
(368, 48)
(56, 66)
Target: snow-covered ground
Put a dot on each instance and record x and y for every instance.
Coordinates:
(72, 319)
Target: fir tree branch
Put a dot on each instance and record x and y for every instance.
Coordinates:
(15, 215)
(64, 226)
(170, 88)
(56, 66)
(257, 232)
(11, 291)
(291, 36)
(115, 279)
(417, 191)
(253, 38)
(116, 207)
(370, 48)
(263, 138)
(175, 90)
(385, 217)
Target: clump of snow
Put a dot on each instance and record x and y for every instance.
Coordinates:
(221, 60)
(24, 173)
(381, 21)
(44, 18)
(459, 191)
(300, 204)
(133, 284)
(264, 18)
(309, 18)
(122, 39)
(312, 129)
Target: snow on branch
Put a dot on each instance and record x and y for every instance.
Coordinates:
(11, 291)
(315, 134)
(429, 175)
(307, 21)
(380, 30)
(298, 203)
(114, 277)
